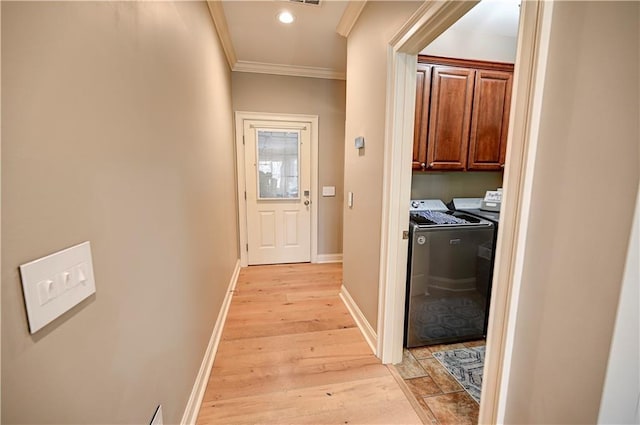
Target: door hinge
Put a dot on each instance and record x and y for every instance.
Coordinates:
(247, 247)
(405, 234)
(243, 139)
(245, 195)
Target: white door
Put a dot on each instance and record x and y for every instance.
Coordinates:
(278, 183)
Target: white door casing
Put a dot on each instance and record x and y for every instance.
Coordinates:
(277, 159)
(271, 122)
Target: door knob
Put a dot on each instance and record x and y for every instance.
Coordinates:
(306, 202)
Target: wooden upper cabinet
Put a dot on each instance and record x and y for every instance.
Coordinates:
(462, 114)
(423, 88)
(450, 117)
(490, 120)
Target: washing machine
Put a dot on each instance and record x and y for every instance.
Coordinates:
(446, 300)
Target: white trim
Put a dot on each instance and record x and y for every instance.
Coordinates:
(289, 70)
(396, 196)
(312, 120)
(329, 258)
(531, 64)
(197, 393)
(220, 22)
(365, 328)
(427, 23)
(350, 17)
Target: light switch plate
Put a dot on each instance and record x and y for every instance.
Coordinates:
(54, 284)
(328, 191)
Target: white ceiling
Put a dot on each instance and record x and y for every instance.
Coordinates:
(499, 17)
(310, 46)
(311, 41)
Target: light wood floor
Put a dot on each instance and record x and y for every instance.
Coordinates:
(291, 353)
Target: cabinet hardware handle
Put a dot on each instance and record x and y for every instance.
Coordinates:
(501, 165)
(431, 165)
(423, 165)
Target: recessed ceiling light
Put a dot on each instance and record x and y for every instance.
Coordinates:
(285, 17)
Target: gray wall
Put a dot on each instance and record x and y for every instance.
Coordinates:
(575, 250)
(449, 185)
(116, 128)
(313, 96)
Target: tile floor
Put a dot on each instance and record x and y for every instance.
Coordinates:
(441, 397)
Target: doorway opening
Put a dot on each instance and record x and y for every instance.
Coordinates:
(277, 175)
(431, 20)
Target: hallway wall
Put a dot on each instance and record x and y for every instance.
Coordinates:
(367, 52)
(580, 220)
(312, 96)
(117, 129)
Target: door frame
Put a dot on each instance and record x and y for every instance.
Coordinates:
(429, 21)
(240, 118)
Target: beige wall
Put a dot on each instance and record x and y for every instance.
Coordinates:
(313, 96)
(584, 189)
(116, 128)
(366, 96)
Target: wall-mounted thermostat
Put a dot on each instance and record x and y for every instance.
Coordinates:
(359, 142)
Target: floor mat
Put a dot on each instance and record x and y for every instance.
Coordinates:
(466, 365)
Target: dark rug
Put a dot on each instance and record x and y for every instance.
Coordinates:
(465, 364)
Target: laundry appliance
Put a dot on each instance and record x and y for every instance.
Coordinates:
(447, 293)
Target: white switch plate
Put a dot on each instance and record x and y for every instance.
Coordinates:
(54, 284)
(328, 191)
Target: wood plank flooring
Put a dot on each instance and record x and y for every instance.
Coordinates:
(291, 353)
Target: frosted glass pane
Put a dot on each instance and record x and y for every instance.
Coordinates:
(278, 171)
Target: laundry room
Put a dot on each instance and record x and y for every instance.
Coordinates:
(464, 85)
(463, 96)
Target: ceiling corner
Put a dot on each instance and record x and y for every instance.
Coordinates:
(350, 17)
(220, 22)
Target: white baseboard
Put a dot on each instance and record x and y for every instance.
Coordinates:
(328, 258)
(367, 331)
(197, 393)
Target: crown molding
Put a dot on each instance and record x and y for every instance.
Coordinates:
(350, 17)
(220, 22)
(290, 70)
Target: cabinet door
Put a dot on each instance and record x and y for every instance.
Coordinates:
(423, 88)
(490, 120)
(450, 117)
